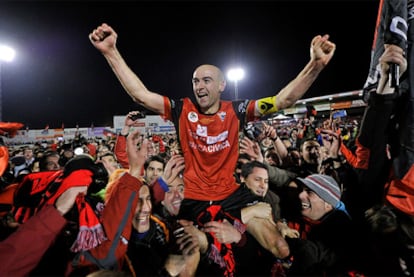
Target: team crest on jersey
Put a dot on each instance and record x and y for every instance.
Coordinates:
(222, 115)
(193, 117)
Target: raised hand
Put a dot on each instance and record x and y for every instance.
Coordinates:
(103, 38)
(322, 49)
(137, 150)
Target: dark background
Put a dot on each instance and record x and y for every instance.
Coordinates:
(58, 77)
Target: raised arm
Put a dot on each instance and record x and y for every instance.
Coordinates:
(104, 39)
(321, 52)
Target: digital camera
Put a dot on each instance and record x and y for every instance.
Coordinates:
(253, 130)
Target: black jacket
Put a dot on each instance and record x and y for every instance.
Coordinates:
(328, 249)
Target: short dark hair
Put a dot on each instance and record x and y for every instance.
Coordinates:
(244, 156)
(156, 158)
(247, 168)
(43, 159)
(304, 140)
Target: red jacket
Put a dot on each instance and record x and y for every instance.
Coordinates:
(117, 222)
(21, 251)
(120, 151)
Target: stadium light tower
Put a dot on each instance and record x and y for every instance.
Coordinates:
(235, 75)
(6, 55)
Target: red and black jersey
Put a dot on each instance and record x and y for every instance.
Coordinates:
(210, 145)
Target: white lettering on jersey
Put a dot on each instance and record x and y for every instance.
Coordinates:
(221, 137)
(210, 148)
(202, 134)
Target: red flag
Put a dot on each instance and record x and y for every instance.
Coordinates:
(10, 128)
(391, 28)
(395, 26)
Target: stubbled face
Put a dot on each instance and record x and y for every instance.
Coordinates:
(311, 152)
(52, 163)
(313, 206)
(153, 171)
(208, 84)
(174, 197)
(258, 181)
(141, 220)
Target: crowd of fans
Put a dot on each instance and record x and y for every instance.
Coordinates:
(296, 166)
(226, 195)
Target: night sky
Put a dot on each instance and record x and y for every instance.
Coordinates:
(59, 77)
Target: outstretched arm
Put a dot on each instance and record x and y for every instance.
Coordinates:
(104, 39)
(321, 52)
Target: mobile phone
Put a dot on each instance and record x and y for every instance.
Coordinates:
(137, 116)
